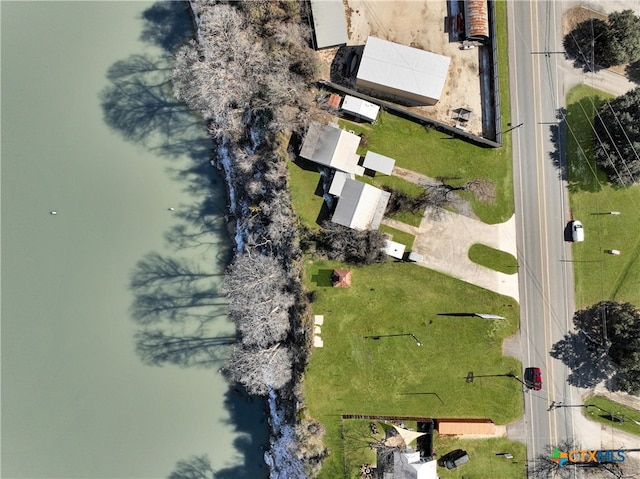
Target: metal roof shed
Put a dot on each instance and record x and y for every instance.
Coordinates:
(403, 71)
(394, 249)
(329, 23)
(360, 108)
(378, 162)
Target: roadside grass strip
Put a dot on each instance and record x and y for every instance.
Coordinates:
(613, 414)
(600, 275)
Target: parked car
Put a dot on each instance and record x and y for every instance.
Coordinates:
(533, 378)
(577, 231)
(454, 459)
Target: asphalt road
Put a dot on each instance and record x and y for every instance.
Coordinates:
(542, 212)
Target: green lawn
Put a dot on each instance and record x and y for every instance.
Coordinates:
(607, 407)
(355, 375)
(304, 180)
(483, 462)
(492, 258)
(598, 275)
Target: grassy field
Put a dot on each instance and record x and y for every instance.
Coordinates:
(599, 275)
(353, 374)
(492, 258)
(483, 461)
(605, 407)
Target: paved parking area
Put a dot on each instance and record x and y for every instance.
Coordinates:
(444, 244)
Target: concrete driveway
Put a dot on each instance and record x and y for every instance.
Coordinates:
(444, 243)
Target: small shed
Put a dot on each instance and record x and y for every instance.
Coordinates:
(395, 250)
(415, 257)
(380, 163)
(334, 101)
(341, 278)
(329, 23)
(360, 108)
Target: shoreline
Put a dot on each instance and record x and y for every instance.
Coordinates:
(281, 455)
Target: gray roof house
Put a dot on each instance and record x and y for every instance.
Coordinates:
(331, 146)
(360, 206)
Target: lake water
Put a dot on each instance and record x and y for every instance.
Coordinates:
(77, 401)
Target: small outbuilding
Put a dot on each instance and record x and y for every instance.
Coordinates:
(329, 23)
(341, 278)
(360, 108)
(394, 249)
(380, 163)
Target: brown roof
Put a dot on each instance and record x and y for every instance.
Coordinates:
(476, 19)
(466, 426)
(341, 278)
(334, 101)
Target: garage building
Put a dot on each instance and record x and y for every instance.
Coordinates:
(406, 72)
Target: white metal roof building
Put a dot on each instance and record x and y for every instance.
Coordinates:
(403, 71)
(360, 206)
(333, 147)
(377, 162)
(360, 108)
(329, 23)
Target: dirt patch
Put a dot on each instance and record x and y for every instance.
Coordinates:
(421, 25)
(576, 15)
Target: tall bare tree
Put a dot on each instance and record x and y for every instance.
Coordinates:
(260, 370)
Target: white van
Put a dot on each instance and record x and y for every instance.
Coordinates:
(577, 231)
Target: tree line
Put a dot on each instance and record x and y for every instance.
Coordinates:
(248, 75)
(596, 44)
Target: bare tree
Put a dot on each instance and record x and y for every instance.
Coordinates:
(260, 370)
(261, 319)
(251, 270)
(351, 246)
(483, 189)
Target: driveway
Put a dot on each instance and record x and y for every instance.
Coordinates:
(444, 244)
